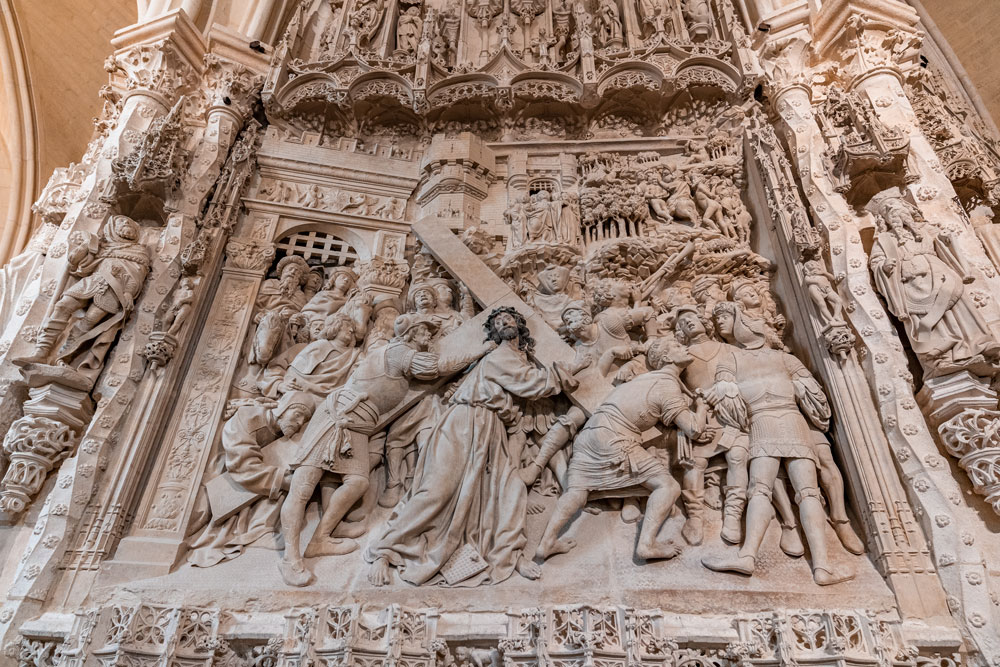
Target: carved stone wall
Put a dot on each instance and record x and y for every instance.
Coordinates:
(604, 333)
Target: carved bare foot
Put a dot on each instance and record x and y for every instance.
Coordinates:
(790, 542)
(693, 531)
(529, 474)
(350, 529)
(380, 573)
(391, 496)
(295, 573)
(664, 550)
(826, 577)
(735, 563)
(848, 537)
(551, 548)
(329, 546)
(630, 511)
(528, 569)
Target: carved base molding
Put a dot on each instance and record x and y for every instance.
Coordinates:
(574, 636)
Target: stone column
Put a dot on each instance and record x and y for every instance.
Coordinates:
(948, 527)
(894, 536)
(157, 537)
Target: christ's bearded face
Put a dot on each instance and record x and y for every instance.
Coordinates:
(506, 326)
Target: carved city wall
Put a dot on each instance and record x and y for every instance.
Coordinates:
(610, 333)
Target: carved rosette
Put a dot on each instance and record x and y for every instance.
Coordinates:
(973, 437)
(33, 445)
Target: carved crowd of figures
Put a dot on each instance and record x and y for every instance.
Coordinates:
(460, 428)
(540, 35)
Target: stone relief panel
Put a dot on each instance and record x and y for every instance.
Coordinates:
(439, 332)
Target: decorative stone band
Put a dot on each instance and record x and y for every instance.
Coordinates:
(148, 634)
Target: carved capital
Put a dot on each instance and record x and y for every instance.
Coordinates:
(62, 191)
(252, 256)
(230, 85)
(157, 67)
(384, 274)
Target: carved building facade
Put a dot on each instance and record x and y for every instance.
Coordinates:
(526, 332)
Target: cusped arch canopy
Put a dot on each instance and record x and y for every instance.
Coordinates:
(707, 72)
(632, 74)
(464, 89)
(315, 87)
(547, 86)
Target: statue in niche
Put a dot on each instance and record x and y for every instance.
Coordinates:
(765, 392)
(336, 441)
(654, 16)
(450, 24)
(922, 277)
(409, 30)
(181, 304)
(365, 20)
(541, 47)
(819, 285)
(608, 452)
(244, 437)
(568, 229)
(540, 218)
(560, 21)
(112, 272)
(339, 286)
(699, 16)
(464, 517)
(609, 23)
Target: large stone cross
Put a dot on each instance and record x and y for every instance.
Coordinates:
(490, 291)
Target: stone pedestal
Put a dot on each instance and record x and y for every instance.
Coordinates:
(57, 409)
(963, 409)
